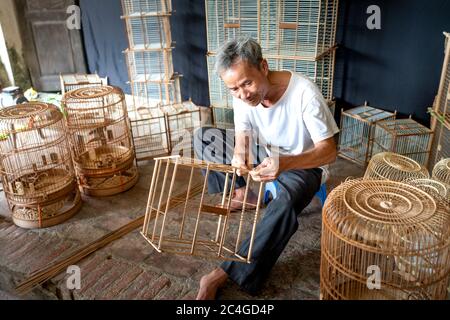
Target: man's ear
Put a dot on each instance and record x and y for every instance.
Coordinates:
(265, 67)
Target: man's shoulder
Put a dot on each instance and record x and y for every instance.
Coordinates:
(304, 87)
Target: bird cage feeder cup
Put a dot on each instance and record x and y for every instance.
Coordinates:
(389, 228)
(405, 137)
(71, 82)
(36, 166)
(102, 147)
(357, 132)
(201, 224)
(395, 167)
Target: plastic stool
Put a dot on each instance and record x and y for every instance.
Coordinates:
(272, 188)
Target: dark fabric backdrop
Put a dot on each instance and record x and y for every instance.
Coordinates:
(395, 68)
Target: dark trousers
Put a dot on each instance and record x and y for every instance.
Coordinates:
(296, 190)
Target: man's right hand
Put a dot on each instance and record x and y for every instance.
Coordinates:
(239, 163)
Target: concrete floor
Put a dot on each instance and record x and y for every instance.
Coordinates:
(129, 268)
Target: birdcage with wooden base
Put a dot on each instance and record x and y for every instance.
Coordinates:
(440, 113)
(202, 224)
(103, 151)
(395, 167)
(71, 82)
(405, 137)
(383, 240)
(357, 131)
(441, 171)
(36, 166)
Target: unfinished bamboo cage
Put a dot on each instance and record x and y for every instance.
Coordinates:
(438, 190)
(36, 166)
(204, 226)
(357, 132)
(383, 240)
(440, 120)
(395, 167)
(71, 82)
(102, 146)
(405, 137)
(441, 171)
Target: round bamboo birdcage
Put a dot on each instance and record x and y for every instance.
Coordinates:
(36, 166)
(395, 167)
(102, 145)
(384, 239)
(441, 171)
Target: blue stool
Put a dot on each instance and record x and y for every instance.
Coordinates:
(272, 189)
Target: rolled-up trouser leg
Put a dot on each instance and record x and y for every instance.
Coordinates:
(297, 189)
(216, 145)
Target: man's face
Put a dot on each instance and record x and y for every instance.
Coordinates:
(246, 82)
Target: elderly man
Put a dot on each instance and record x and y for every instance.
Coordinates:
(288, 112)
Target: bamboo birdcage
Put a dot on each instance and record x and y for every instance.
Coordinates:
(440, 120)
(182, 120)
(150, 133)
(357, 131)
(103, 150)
(405, 137)
(71, 82)
(294, 34)
(36, 165)
(205, 227)
(395, 167)
(384, 240)
(223, 117)
(441, 171)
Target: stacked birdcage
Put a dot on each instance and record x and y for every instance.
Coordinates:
(202, 225)
(295, 35)
(36, 165)
(383, 239)
(154, 84)
(357, 131)
(440, 120)
(403, 136)
(182, 120)
(71, 82)
(103, 150)
(394, 167)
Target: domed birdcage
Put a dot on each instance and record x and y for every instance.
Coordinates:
(102, 146)
(383, 239)
(441, 171)
(395, 167)
(36, 165)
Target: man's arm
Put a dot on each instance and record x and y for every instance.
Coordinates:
(324, 152)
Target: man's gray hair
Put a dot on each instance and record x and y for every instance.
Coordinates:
(233, 51)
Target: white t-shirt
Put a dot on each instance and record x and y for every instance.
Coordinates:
(299, 119)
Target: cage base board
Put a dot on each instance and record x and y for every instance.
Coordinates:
(203, 249)
(105, 192)
(50, 222)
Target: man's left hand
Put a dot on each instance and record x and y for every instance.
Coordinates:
(268, 170)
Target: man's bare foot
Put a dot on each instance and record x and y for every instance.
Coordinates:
(210, 283)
